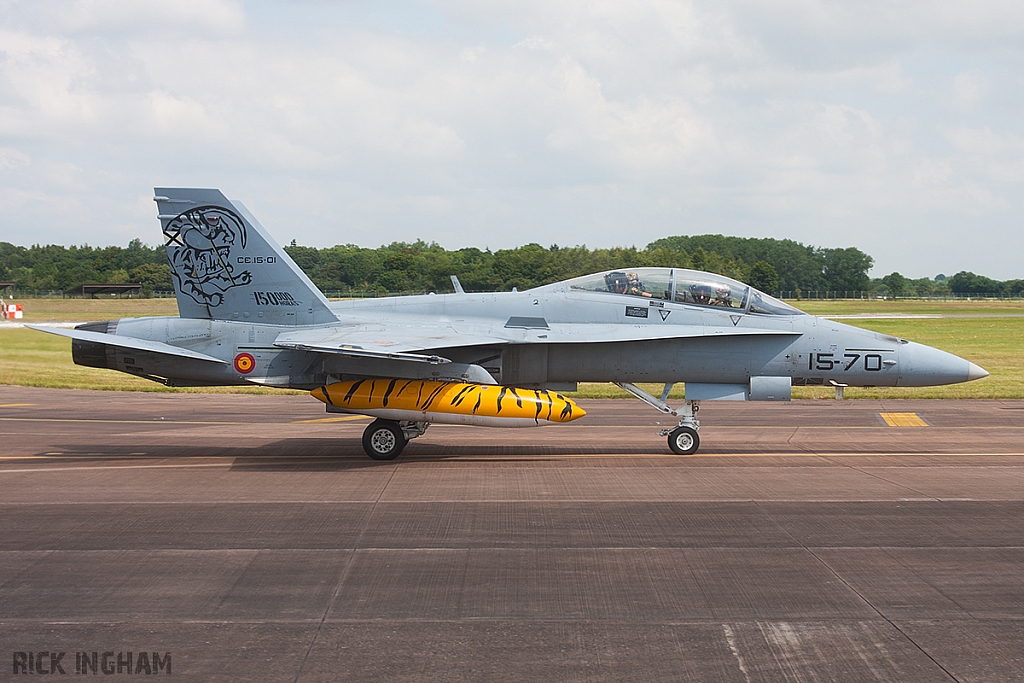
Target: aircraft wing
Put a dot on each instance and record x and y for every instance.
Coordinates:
(358, 351)
(128, 343)
(390, 341)
(422, 343)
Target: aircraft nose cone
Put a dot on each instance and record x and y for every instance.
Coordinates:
(975, 372)
(924, 366)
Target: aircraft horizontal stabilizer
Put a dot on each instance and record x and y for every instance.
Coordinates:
(128, 343)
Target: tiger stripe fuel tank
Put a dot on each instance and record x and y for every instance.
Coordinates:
(449, 402)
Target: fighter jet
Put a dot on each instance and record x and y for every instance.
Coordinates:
(250, 316)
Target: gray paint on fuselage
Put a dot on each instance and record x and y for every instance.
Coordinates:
(222, 339)
(725, 358)
(728, 359)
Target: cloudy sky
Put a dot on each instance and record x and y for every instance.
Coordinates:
(893, 126)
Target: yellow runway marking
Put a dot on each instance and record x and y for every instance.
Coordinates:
(331, 419)
(16, 405)
(903, 420)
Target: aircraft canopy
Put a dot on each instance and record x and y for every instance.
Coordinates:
(683, 286)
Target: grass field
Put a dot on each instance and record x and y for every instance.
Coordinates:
(82, 310)
(34, 359)
(911, 307)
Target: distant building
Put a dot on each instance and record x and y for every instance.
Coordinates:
(92, 289)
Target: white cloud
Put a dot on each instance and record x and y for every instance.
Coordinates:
(100, 16)
(535, 43)
(861, 123)
(970, 88)
(932, 172)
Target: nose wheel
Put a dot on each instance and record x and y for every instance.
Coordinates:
(683, 440)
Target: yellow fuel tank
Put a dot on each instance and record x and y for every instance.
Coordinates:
(449, 402)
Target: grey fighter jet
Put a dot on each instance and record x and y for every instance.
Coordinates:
(250, 316)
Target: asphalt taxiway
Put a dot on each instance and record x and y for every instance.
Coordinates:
(249, 537)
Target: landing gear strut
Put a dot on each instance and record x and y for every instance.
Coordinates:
(682, 440)
(385, 439)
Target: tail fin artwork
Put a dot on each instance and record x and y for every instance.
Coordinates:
(226, 266)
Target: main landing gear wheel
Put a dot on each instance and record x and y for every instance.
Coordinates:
(683, 440)
(383, 440)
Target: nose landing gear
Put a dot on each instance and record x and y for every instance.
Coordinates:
(683, 439)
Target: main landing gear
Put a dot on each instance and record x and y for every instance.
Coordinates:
(385, 439)
(683, 440)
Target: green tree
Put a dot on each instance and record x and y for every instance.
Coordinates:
(306, 258)
(1014, 287)
(422, 266)
(764, 277)
(152, 276)
(923, 286)
(966, 282)
(799, 266)
(116, 276)
(895, 284)
(845, 270)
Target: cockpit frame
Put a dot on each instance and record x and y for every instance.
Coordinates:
(683, 286)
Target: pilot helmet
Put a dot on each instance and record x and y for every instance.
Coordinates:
(617, 282)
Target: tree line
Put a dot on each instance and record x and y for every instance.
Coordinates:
(57, 268)
(768, 264)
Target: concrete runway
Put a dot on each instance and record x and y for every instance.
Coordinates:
(249, 537)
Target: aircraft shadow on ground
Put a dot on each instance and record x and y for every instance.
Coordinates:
(331, 455)
(298, 454)
(318, 455)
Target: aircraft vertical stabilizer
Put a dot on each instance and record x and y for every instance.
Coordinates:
(225, 265)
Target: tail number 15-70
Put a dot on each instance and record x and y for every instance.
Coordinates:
(829, 361)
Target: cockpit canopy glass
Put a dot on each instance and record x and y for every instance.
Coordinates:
(683, 286)
(650, 283)
(705, 289)
(769, 305)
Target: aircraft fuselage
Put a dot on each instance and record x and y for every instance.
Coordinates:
(807, 349)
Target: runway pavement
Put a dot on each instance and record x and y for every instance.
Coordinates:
(250, 538)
